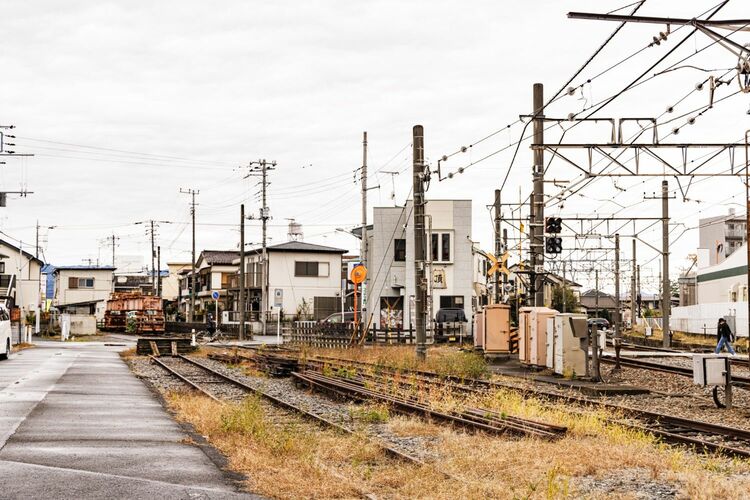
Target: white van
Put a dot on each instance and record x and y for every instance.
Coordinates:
(5, 333)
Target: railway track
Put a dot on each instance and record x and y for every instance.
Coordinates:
(737, 380)
(702, 436)
(220, 387)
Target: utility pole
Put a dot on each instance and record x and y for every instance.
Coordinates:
(242, 272)
(537, 200)
(36, 251)
(596, 294)
(363, 245)
(113, 249)
(420, 280)
(618, 331)
(158, 271)
(153, 254)
(638, 286)
(498, 243)
(564, 288)
(261, 168)
(666, 293)
(505, 245)
(633, 291)
(192, 193)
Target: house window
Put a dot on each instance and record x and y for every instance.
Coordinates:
(452, 301)
(80, 282)
(435, 247)
(306, 269)
(446, 247)
(399, 250)
(2, 267)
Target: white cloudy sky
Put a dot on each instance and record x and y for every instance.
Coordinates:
(124, 103)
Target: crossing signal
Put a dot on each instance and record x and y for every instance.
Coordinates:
(553, 245)
(553, 225)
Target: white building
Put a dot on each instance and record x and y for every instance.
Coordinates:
(390, 280)
(304, 279)
(83, 289)
(20, 277)
(721, 236)
(170, 284)
(721, 290)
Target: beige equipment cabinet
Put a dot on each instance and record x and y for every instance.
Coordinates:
(496, 329)
(532, 331)
(479, 340)
(524, 334)
(565, 354)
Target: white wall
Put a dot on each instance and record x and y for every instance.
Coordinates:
(170, 284)
(702, 318)
(718, 290)
(295, 288)
(101, 291)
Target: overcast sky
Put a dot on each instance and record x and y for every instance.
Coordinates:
(124, 103)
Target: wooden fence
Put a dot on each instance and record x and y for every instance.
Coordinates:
(338, 335)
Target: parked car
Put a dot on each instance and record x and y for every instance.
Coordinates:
(601, 323)
(336, 318)
(5, 333)
(446, 329)
(450, 315)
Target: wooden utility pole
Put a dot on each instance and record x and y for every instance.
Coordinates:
(242, 273)
(420, 279)
(537, 200)
(192, 193)
(260, 168)
(114, 243)
(498, 243)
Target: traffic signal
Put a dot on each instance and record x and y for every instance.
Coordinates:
(553, 225)
(553, 245)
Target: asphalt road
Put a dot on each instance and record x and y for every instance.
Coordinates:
(76, 423)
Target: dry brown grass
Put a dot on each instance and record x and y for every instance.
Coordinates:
(295, 460)
(445, 360)
(22, 346)
(128, 353)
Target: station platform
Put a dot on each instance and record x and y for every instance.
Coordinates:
(76, 423)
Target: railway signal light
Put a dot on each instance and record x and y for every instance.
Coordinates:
(553, 225)
(553, 245)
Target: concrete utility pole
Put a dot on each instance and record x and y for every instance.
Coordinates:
(537, 200)
(420, 279)
(666, 294)
(114, 243)
(498, 243)
(153, 254)
(158, 271)
(261, 168)
(192, 193)
(363, 245)
(747, 228)
(633, 291)
(36, 252)
(638, 286)
(564, 288)
(242, 273)
(618, 331)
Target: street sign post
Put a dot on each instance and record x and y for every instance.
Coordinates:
(215, 296)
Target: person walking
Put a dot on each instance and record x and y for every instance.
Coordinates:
(724, 336)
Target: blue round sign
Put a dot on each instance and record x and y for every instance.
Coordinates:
(215, 295)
